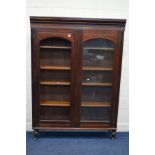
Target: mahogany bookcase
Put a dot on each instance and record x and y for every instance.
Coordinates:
(76, 70)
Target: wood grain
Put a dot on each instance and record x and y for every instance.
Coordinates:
(56, 47)
(54, 103)
(96, 84)
(98, 68)
(56, 67)
(95, 104)
(54, 83)
(80, 30)
(99, 48)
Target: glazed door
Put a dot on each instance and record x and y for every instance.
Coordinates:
(97, 80)
(55, 51)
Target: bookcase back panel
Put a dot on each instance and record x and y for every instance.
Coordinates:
(95, 114)
(55, 75)
(97, 76)
(55, 57)
(96, 94)
(54, 113)
(55, 52)
(54, 92)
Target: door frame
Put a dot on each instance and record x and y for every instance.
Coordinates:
(36, 37)
(113, 36)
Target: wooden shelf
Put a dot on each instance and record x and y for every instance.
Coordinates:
(54, 103)
(56, 47)
(56, 67)
(96, 84)
(96, 104)
(54, 121)
(68, 68)
(94, 121)
(99, 48)
(98, 68)
(54, 83)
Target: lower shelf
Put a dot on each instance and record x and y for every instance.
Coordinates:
(95, 124)
(54, 121)
(106, 121)
(44, 124)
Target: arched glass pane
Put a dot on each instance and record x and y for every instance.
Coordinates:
(98, 53)
(98, 56)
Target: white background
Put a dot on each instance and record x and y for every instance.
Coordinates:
(13, 77)
(82, 8)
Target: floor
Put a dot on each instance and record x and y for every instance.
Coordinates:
(77, 143)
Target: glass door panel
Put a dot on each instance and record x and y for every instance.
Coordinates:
(54, 92)
(95, 113)
(55, 75)
(55, 82)
(58, 57)
(97, 77)
(96, 93)
(97, 74)
(98, 53)
(54, 113)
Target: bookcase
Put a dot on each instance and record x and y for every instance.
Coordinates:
(76, 70)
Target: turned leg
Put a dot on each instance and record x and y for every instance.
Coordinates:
(35, 134)
(113, 134)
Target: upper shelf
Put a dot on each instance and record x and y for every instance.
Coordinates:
(96, 84)
(54, 83)
(98, 68)
(99, 48)
(55, 67)
(56, 47)
(68, 68)
(85, 48)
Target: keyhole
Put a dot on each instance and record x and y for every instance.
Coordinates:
(69, 35)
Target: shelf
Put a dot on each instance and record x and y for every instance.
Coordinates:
(96, 84)
(99, 48)
(54, 121)
(94, 121)
(54, 83)
(66, 103)
(56, 47)
(54, 103)
(56, 67)
(68, 68)
(98, 68)
(96, 104)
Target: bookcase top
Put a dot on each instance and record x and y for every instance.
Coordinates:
(69, 20)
